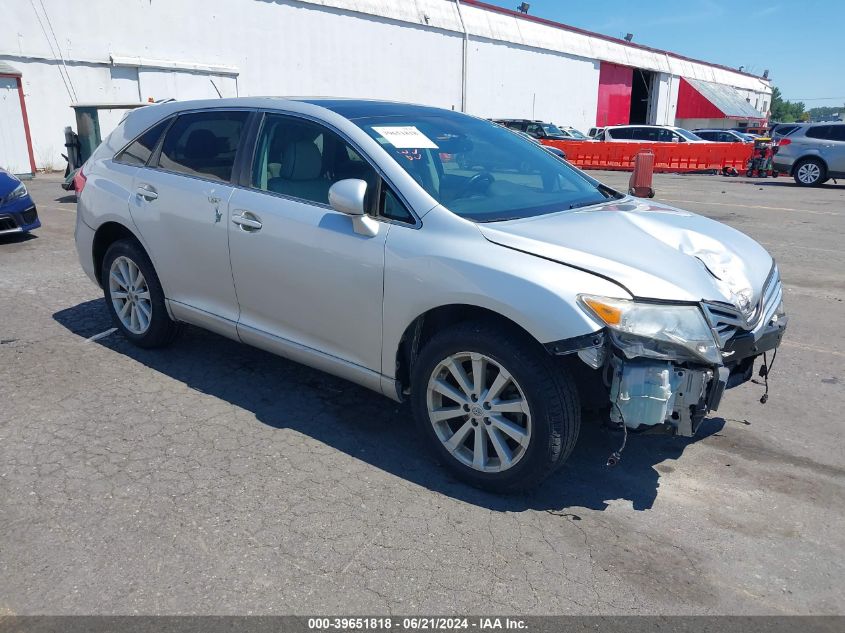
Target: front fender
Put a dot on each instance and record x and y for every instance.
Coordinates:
(449, 262)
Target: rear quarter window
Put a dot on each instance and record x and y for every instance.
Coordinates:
(139, 151)
(786, 131)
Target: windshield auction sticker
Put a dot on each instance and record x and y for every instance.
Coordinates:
(405, 137)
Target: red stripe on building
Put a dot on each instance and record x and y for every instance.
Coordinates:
(693, 105)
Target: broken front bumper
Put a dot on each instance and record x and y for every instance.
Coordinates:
(678, 395)
(673, 394)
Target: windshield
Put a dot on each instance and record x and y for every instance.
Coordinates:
(688, 135)
(577, 134)
(481, 171)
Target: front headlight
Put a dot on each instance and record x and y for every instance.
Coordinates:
(17, 192)
(653, 330)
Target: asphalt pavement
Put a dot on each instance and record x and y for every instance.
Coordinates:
(215, 478)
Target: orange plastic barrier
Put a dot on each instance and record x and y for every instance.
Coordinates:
(668, 157)
(640, 183)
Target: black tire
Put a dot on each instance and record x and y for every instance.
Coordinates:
(162, 330)
(547, 387)
(816, 177)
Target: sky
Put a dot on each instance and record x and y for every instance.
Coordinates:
(801, 43)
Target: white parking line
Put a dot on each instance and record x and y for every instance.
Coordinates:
(97, 337)
(813, 348)
(750, 206)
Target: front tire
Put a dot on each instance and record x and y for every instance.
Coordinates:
(493, 406)
(134, 296)
(810, 172)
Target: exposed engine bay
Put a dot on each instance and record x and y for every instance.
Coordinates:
(668, 384)
(646, 393)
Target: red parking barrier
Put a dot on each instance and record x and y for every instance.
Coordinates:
(668, 157)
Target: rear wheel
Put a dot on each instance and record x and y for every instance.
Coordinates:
(134, 296)
(810, 172)
(493, 407)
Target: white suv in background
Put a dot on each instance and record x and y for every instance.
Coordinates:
(648, 134)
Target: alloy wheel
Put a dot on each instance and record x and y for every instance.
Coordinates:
(808, 173)
(130, 295)
(479, 412)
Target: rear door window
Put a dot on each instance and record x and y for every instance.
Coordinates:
(623, 133)
(820, 131)
(139, 151)
(203, 144)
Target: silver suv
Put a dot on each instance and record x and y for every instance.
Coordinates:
(430, 256)
(813, 153)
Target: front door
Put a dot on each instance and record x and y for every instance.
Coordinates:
(301, 272)
(180, 205)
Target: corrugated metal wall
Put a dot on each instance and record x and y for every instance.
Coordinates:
(409, 50)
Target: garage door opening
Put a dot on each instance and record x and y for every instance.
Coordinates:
(641, 96)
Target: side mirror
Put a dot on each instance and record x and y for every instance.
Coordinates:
(347, 196)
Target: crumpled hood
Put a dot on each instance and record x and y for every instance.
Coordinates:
(655, 251)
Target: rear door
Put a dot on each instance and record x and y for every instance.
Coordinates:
(836, 162)
(820, 139)
(180, 206)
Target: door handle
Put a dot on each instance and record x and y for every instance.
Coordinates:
(247, 221)
(146, 192)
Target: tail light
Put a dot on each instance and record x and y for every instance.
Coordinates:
(784, 141)
(79, 180)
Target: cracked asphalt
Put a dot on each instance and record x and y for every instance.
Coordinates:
(215, 478)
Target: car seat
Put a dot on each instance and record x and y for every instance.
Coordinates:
(300, 170)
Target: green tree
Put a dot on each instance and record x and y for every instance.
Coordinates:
(785, 111)
(822, 113)
(778, 107)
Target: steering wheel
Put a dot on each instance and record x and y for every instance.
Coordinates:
(475, 182)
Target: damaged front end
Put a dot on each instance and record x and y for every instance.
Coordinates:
(664, 366)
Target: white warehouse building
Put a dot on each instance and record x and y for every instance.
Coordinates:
(460, 54)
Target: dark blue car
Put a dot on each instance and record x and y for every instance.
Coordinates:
(17, 209)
